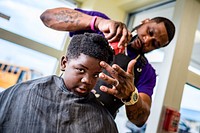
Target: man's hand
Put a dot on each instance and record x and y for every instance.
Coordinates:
(137, 113)
(123, 82)
(114, 31)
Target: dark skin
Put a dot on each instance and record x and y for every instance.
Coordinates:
(66, 19)
(80, 74)
(137, 113)
(149, 38)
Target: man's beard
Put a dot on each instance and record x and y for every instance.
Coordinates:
(138, 50)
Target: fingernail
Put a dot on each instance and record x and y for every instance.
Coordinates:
(101, 75)
(102, 63)
(103, 89)
(114, 66)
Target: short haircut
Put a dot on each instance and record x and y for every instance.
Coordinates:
(91, 44)
(168, 25)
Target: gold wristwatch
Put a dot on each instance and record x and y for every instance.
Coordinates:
(133, 98)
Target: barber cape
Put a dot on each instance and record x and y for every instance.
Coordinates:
(46, 106)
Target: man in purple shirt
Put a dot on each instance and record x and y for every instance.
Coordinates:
(151, 34)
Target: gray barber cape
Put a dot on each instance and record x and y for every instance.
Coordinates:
(45, 105)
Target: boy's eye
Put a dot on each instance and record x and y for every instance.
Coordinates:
(96, 75)
(81, 70)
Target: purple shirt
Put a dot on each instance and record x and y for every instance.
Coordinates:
(147, 79)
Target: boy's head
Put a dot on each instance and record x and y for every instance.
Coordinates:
(81, 63)
(90, 44)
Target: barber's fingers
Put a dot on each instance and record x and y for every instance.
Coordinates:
(125, 38)
(119, 70)
(115, 32)
(108, 28)
(131, 64)
(125, 74)
(111, 91)
(108, 79)
(120, 35)
(109, 69)
(119, 93)
(116, 71)
(130, 68)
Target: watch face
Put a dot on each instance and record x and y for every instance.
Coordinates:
(135, 97)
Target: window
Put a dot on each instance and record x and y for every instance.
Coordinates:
(190, 110)
(25, 41)
(15, 54)
(25, 20)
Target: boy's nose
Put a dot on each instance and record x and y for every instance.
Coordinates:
(86, 80)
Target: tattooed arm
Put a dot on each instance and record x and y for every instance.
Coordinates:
(66, 19)
(139, 112)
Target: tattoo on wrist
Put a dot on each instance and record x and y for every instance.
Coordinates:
(136, 114)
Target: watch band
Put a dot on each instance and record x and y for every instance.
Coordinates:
(133, 98)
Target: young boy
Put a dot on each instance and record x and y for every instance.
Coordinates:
(64, 104)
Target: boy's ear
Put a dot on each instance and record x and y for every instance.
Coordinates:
(63, 63)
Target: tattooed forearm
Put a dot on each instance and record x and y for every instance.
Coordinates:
(136, 114)
(68, 16)
(65, 19)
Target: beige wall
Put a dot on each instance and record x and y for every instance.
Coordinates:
(115, 9)
(109, 7)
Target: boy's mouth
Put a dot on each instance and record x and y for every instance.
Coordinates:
(82, 90)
